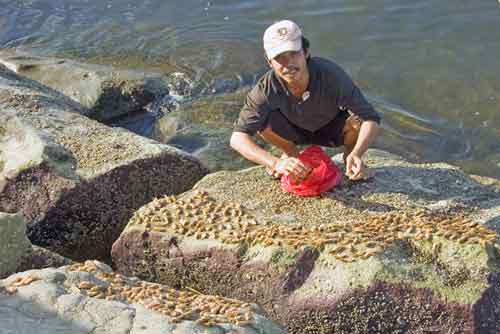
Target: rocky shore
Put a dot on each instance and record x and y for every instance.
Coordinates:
(106, 231)
(75, 180)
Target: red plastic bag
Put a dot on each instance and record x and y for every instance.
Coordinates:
(324, 175)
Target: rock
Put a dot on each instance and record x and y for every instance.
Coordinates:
(17, 253)
(105, 92)
(90, 297)
(180, 85)
(40, 258)
(76, 181)
(377, 261)
(13, 242)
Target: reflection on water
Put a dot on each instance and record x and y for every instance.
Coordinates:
(431, 67)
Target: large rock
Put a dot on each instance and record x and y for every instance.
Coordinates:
(77, 181)
(17, 253)
(91, 298)
(39, 258)
(104, 92)
(413, 249)
(13, 242)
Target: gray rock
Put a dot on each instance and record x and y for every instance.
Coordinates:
(13, 242)
(40, 258)
(77, 181)
(90, 298)
(104, 92)
(367, 257)
(17, 253)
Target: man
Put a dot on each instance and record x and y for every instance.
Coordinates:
(303, 100)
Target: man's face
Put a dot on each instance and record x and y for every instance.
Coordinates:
(290, 66)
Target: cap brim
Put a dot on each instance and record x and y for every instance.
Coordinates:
(295, 45)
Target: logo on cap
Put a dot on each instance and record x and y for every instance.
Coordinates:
(282, 31)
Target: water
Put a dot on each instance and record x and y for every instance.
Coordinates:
(430, 67)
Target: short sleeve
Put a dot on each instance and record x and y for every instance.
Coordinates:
(350, 97)
(255, 112)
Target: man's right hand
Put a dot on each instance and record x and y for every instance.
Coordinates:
(291, 167)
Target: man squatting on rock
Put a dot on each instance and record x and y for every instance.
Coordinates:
(303, 100)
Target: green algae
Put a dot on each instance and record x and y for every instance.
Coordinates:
(282, 259)
(458, 273)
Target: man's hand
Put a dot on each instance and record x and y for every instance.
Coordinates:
(292, 167)
(354, 167)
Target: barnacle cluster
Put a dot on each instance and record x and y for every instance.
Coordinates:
(20, 281)
(379, 231)
(206, 310)
(199, 216)
(202, 217)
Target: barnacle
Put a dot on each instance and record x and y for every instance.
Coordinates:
(203, 217)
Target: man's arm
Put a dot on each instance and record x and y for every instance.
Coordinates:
(354, 164)
(367, 134)
(246, 146)
(350, 97)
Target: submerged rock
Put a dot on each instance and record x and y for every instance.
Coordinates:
(367, 257)
(105, 93)
(76, 181)
(90, 297)
(203, 127)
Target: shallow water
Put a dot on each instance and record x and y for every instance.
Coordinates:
(430, 67)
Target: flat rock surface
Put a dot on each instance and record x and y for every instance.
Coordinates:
(412, 249)
(104, 92)
(90, 298)
(76, 181)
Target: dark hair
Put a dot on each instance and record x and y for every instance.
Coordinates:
(305, 46)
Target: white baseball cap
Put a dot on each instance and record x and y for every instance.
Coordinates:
(282, 36)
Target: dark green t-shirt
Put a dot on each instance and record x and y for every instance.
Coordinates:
(330, 91)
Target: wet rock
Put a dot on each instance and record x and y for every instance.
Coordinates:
(144, 123)
(180, 85)
(378, 261)
(105, 93)
(90, 297)
(77, 181)
(163, 106)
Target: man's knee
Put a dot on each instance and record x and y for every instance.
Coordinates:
(285, 145)
(268, 135)
(266, 131)
(351, 130)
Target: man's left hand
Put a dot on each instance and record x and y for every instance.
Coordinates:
(354, 167)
